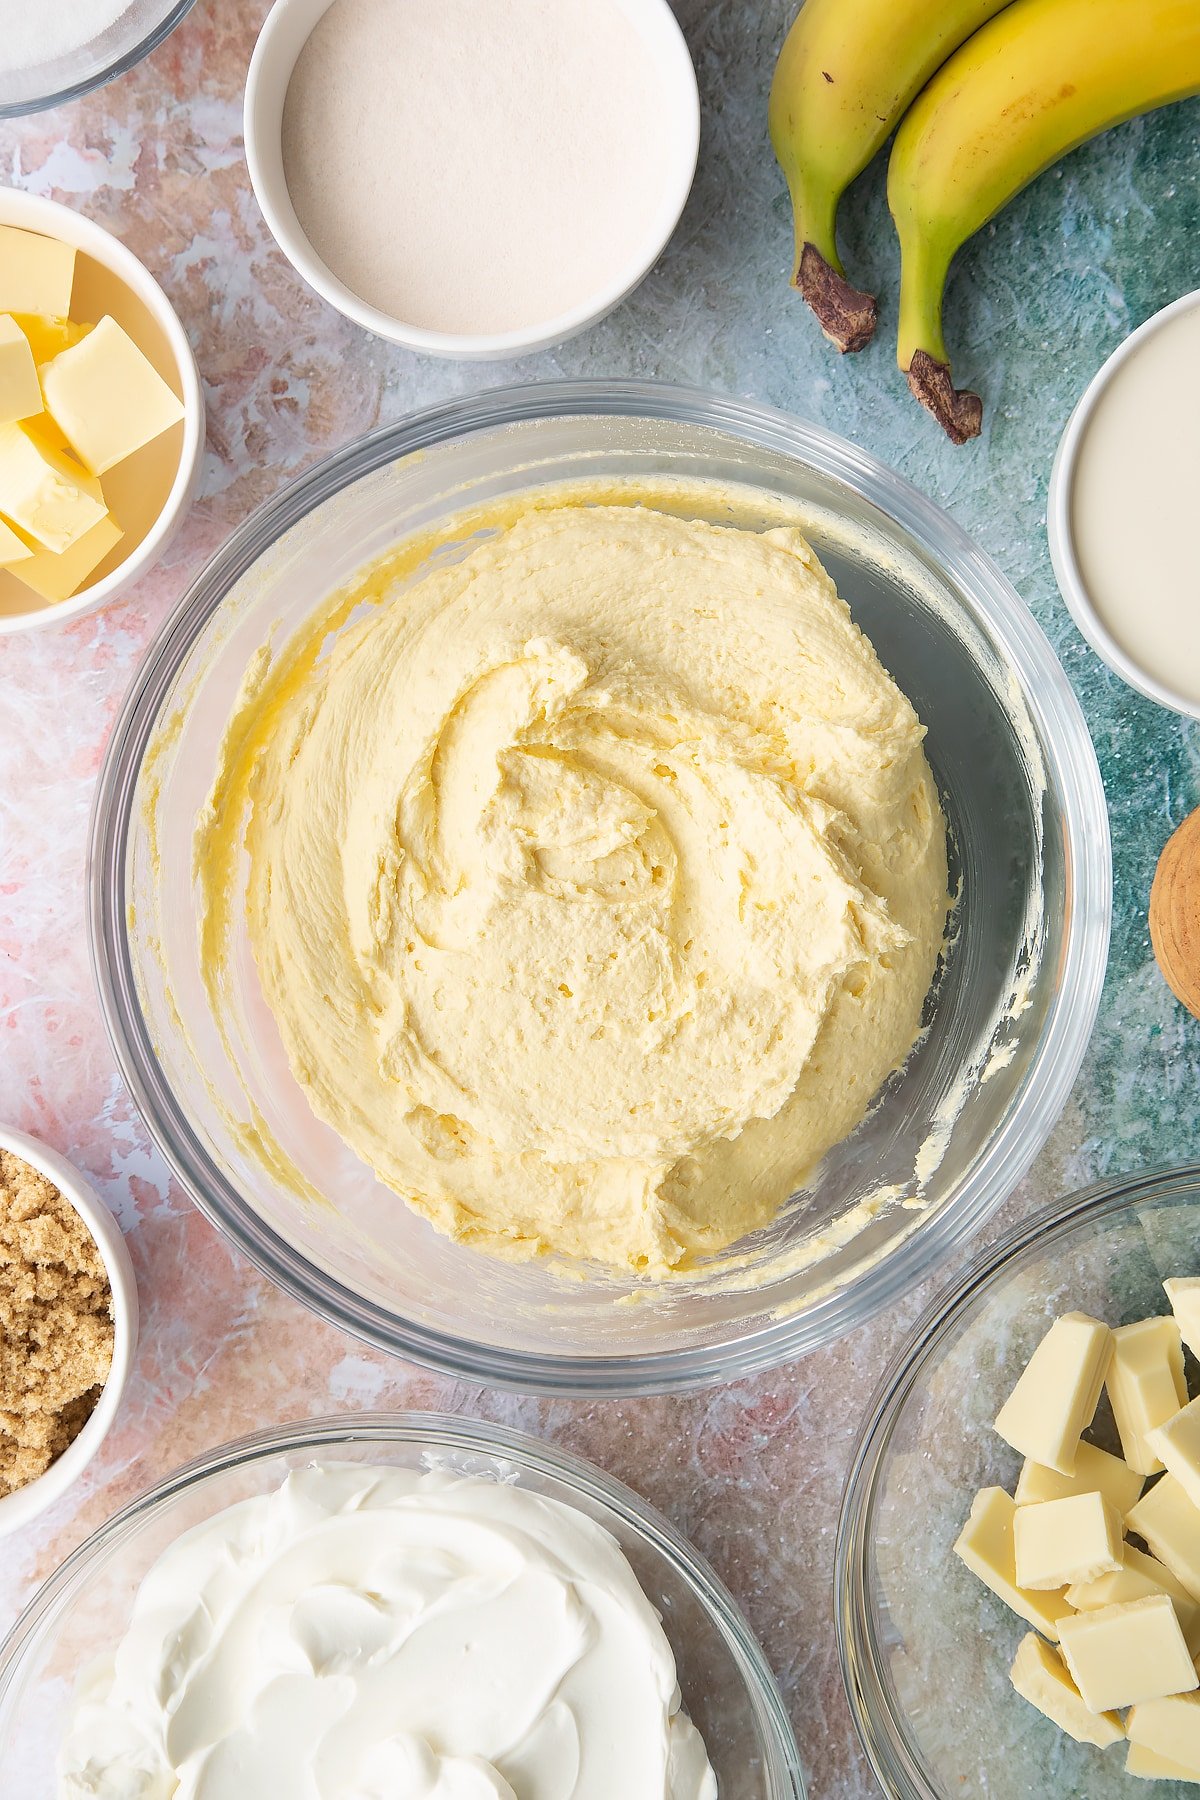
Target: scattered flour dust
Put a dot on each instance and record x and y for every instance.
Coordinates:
(476, 165)
(40, 31)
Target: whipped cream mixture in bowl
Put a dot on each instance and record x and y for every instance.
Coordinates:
(408, 774)
(530, 1627)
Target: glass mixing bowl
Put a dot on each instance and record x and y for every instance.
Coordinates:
(140, 29)
(727, 1687)
(951, 1134)
(925, 1648)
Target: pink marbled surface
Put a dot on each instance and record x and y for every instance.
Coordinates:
(752, 1472)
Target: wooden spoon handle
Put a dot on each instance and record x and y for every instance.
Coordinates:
(1175, 913)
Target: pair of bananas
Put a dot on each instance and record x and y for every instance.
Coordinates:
(987, 94)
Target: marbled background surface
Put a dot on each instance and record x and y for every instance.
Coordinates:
(752, 1472)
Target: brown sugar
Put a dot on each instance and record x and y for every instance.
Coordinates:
(56, 1323)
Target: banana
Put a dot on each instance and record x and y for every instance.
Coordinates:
(847, 72)
(1040, 78)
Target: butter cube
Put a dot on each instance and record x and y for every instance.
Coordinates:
(1096, 1472)
(43, 491)
(1055, 1400)
(1063, 1541)
(1039, 1676)
(1139, 1577)
(20, 394)
(1146, 1385)
(1152, 1767)
(1171, 1728)
(986, 1546)
(1124, 1655)
(107, 397)
(1170, 1524)
(36, 273)
(1177, 1445)
(1184, 1294)
(12, 548)
(47, 337)
(58, 576)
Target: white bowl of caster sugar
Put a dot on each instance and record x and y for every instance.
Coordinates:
(1122, 509)
(475, 178)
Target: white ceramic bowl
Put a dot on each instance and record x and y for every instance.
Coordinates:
(151, 491)
(288, 27)
(38, 1496)
(1060, 529)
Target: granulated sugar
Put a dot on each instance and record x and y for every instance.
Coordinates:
(475, 165)
(40, 31)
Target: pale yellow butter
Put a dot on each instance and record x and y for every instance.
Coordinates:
(1177, 1445)
(107, 397)
(1055, 1400)
(1146, 1385)
(36, 273)
(44, 492)
(20, 393)
(1095, 1472)
(13, 549)
(56, 576)
(1139, 1577)
(1170, 1524)
(1184, 1294)
(1150, 1766)
(1039, 1676)
(1063, 1541)
(1124, 1655)
(986, 1546)
(1170, 1727)
(47, 336)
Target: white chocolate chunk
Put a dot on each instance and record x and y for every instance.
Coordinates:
(1064, 1541)
(1170, 1727)
(1184, 1294)
(986, 1546)
(1146, 1385)
(1139, 1578)
(1055, 1399)
(1125, 1655)
(1039, 1676)
(1095, 1472)
(1150, 1766)
(1170, 1524)
(1177, 1444)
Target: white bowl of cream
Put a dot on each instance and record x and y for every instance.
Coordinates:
(1122, 509)
(478, 179)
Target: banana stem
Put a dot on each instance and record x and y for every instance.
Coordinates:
(845, 314)
(920, 345)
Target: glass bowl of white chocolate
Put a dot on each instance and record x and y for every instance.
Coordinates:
(1018, 1568)
(439, 1605)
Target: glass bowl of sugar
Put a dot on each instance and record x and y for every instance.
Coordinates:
(50, 54)
(475, 180)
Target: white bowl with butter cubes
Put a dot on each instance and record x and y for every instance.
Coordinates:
(1018, 1563)
(101, 416)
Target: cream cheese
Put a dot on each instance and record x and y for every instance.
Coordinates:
(596, 883)
(388, 1634)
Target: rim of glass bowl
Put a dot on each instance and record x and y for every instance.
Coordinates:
(445, 1431)
(19, 109)
(1048, 695)
(881, 1730)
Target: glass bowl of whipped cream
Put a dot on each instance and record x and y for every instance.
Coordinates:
(546, 934)
(399, 1604)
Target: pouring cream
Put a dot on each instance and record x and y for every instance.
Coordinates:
(375, 1633)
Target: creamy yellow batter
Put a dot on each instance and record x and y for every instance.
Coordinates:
(596, 883)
